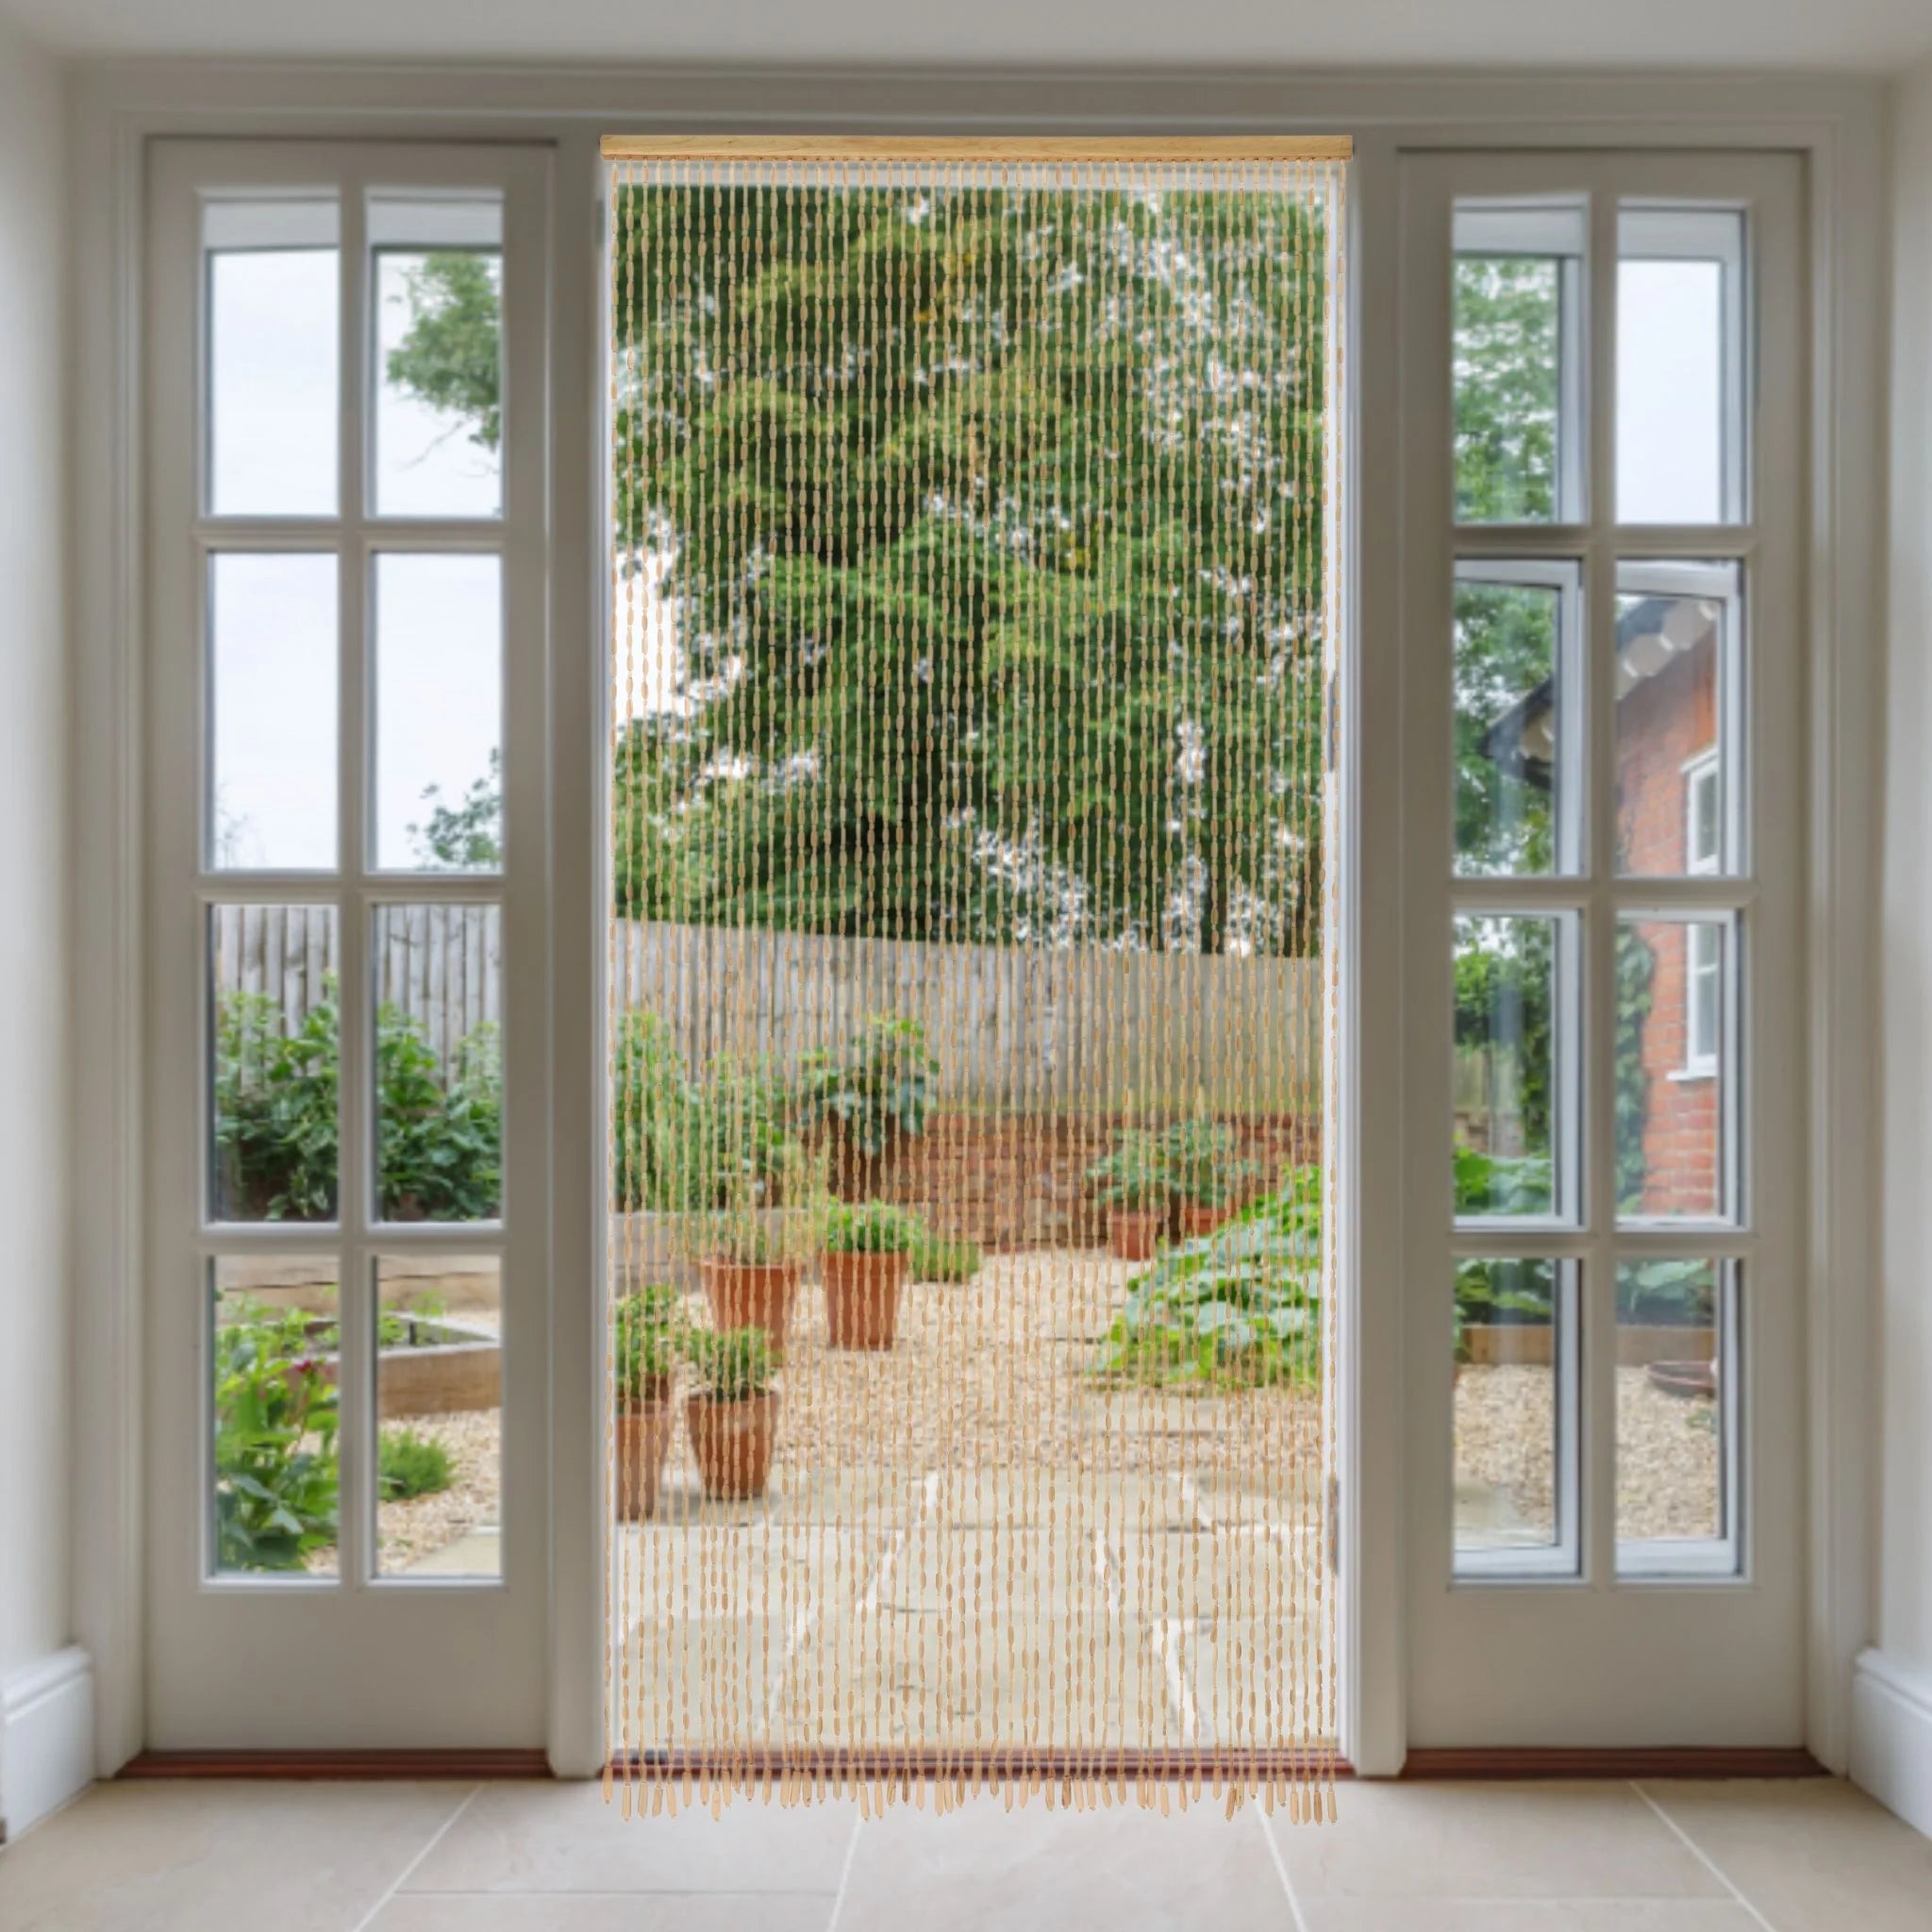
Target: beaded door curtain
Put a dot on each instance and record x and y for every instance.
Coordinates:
(975, 615)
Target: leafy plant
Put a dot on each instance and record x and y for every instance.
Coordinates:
(653, 1120)
(1240, 1304)
(946, 1258)
(646, 1336)
(874, 1228)
(440, 1134)
(1200, 1161)
(877, 1090)
(733, 1366)
(411, 1465)
(275, 1459)
(274, 1127)
(1664, 1294)
(1134, 1175)
(440, 1138)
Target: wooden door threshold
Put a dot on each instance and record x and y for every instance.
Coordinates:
(457, 1766)
(1662, 1762)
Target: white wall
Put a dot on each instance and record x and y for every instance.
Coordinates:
(35, 1609)
(1891, 1751)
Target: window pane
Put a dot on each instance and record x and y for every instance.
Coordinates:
(1507, 1106)
(1515, 302)
(1674, 1424)
(438, 277)
(1679, 377)
(439, 714)
(275, 1348)
(1512, 1350)
(274, 1079)
(1677, 627)
(273, 318)
(1672, 994)
(1511, 762)
(439, 1405)
(439, 1054)
(272, 637)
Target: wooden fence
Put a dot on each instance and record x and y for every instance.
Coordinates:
(442, 965)
(1014, 1027)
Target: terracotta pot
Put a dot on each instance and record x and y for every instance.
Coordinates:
(1198, 1220)
(732, 1441)
(751, 1295)
(643, 1441)
(862, 1298)
(1131, 1237)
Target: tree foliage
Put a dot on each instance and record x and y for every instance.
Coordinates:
(988, 525)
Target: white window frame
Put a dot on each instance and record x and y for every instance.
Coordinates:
(1835, 123)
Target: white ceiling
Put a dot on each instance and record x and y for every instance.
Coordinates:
(1856, 34)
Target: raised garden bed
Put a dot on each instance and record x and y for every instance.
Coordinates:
(440, 1367)
(1489, 1344)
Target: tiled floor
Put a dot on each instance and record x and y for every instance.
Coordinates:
(1808, 1857)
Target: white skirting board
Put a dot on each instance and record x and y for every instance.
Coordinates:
(1891, 1736)
(46, 1737)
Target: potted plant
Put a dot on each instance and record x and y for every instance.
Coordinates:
(757, 1180)
(867, 1257)
(644, 1347)
(1131, 1182)
(733, 1416)
(872, 1095)
(1203, 1173)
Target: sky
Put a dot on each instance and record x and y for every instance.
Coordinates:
(436, 638)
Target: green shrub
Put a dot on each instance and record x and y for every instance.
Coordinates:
(411, 1465)
(1134, 1175)
(652, 1124)
(876, 1090)
(733, 1366)
(945, 1259)
(1200, 1162)
(873, 1227)
(440, 1137)
(646, 1332)
(1240, 1304)
(276, 1463)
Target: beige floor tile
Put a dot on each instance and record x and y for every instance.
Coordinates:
(565, 1838)
(204, 1857)
(1812, 1855)
(1122, 1869)
(1484, 1840)
(1525, 1915)
(738, 1911)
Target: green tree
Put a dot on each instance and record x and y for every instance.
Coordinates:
(452, 357)
(990, 525)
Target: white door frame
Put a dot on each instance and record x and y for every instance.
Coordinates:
(1836, 123)
(456, 1661)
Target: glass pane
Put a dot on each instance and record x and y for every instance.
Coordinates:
(439, 714)
(274, 1080)
(1672, 993)
(275, 1347)
(438, 1406)
(438, 275)
(1679, 387)
(274, 319)
(1510, 1352)
(1516, 311)
(1511, 762)
(1671, 1427)
(272, 639)
(1507, 1099)
(1675, 629)
(439, 1061)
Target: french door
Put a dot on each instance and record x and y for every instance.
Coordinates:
(1601, 582)
(347, 1431)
